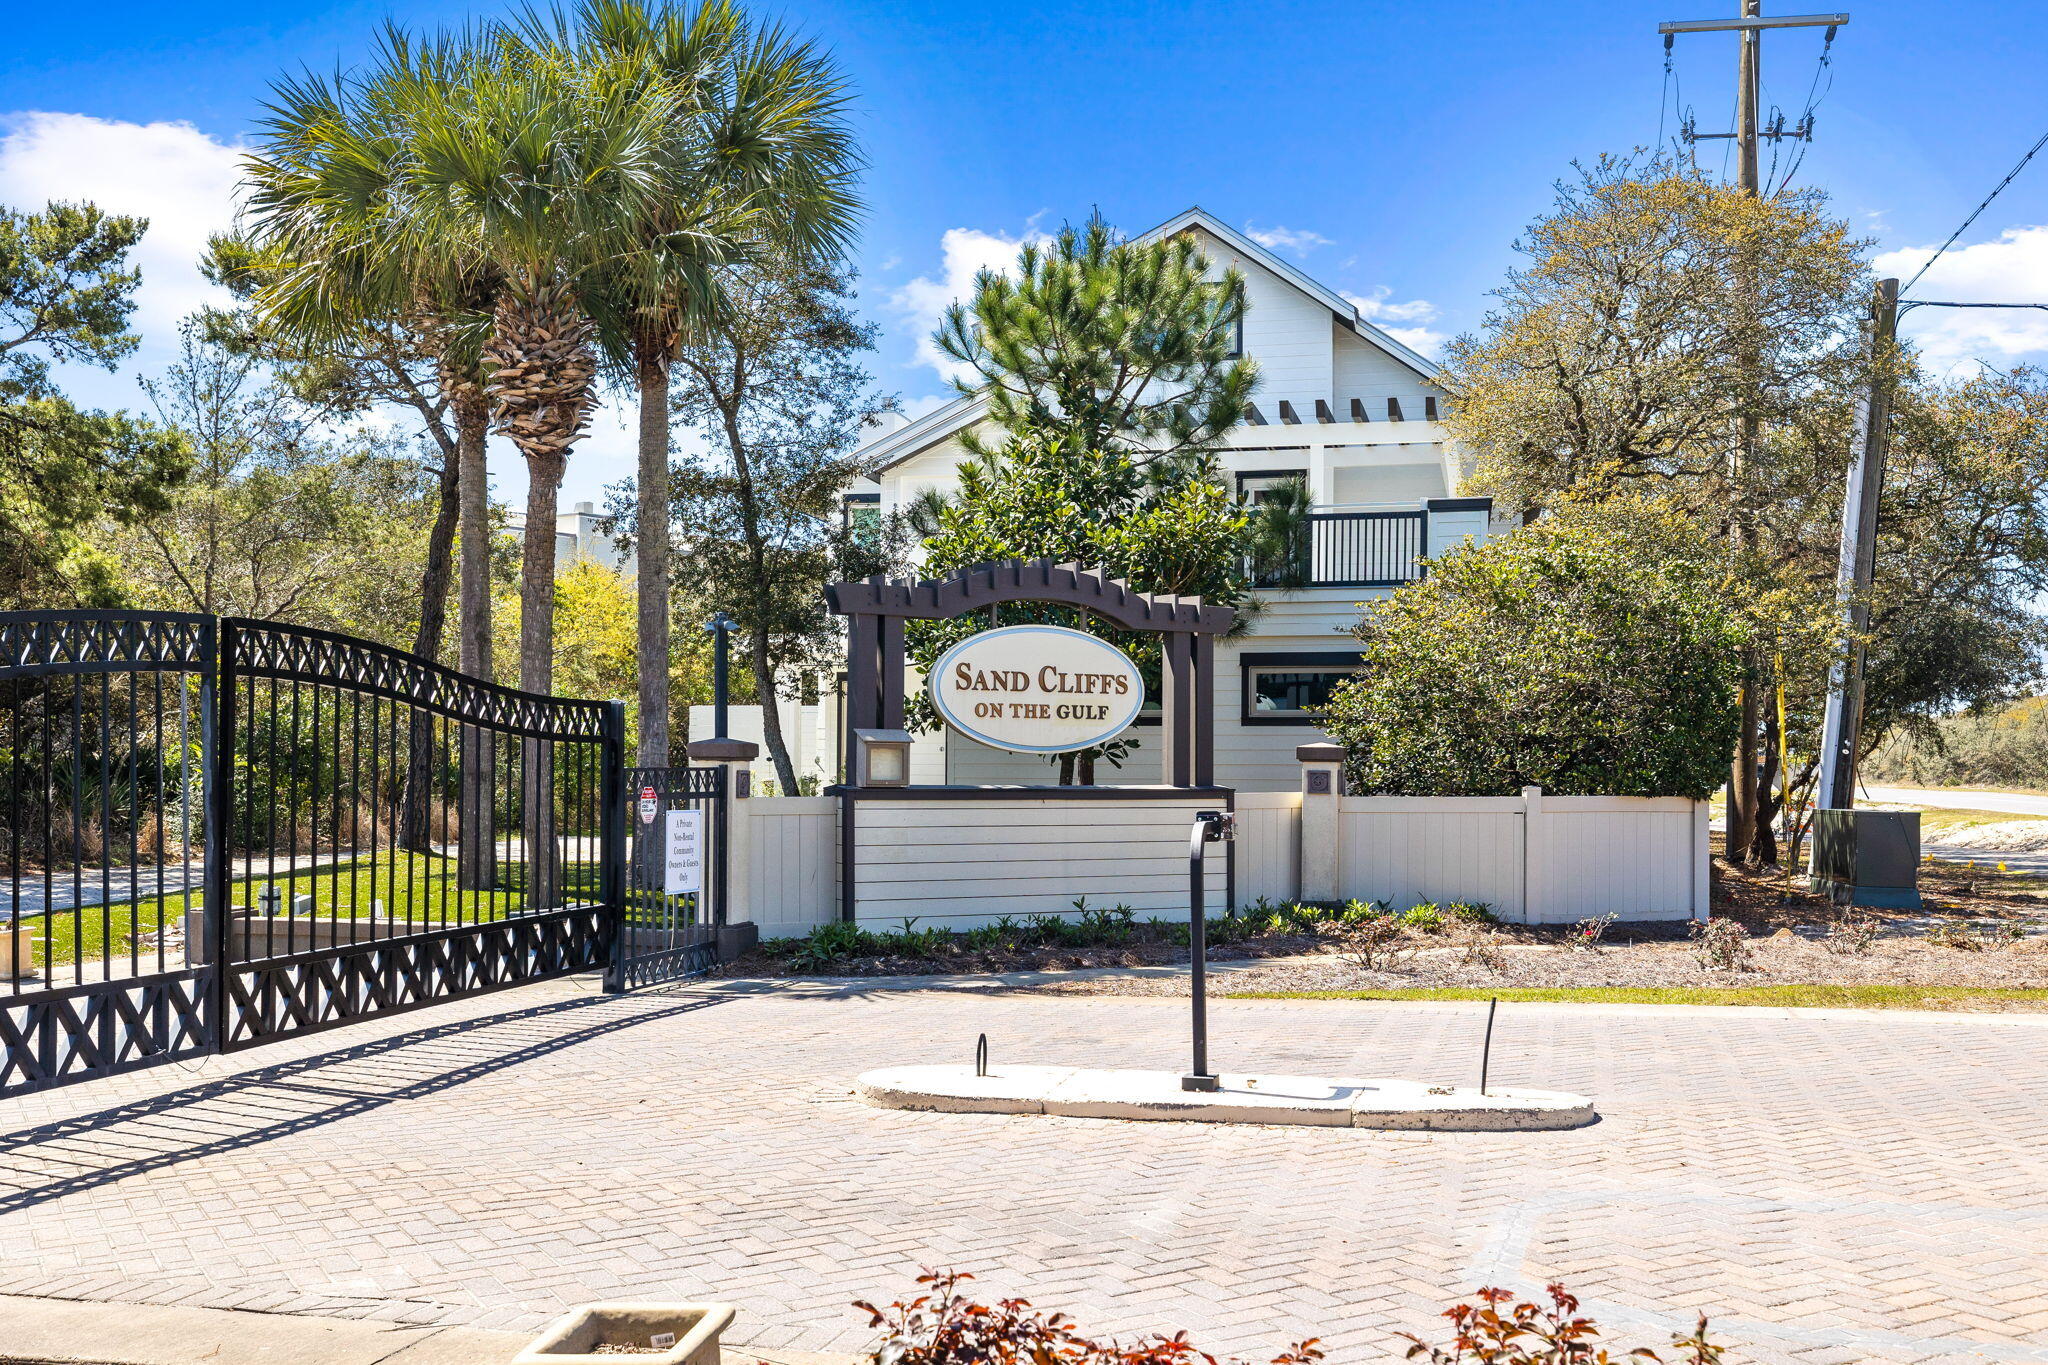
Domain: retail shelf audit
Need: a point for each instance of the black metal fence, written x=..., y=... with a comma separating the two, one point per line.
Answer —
x=220, y=832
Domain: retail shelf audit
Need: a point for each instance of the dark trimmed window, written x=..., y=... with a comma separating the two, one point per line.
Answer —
x=863, y=510
x=1293, y=688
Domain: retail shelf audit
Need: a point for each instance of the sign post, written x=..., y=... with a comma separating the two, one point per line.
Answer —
x=1210, y=827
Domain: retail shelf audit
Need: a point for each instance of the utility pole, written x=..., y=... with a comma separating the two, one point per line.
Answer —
x=1857, y=564
x=1742, y=783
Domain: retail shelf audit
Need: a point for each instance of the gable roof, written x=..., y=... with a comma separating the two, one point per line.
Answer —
x=920, y=435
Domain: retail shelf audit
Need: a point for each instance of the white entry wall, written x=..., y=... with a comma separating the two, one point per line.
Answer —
x=956, y=863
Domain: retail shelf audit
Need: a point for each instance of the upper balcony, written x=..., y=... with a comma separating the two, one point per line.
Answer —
x=1380, y=546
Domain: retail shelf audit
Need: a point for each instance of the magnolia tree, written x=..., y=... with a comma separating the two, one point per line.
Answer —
x=1565, y=656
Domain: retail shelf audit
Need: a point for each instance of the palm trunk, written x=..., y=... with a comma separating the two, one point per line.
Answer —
x=415, y=832
x=771, y=712
x=477, y=854
x=651, y=655
x=537, y=672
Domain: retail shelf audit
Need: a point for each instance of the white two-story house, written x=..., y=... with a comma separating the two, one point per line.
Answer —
x=1341, y=405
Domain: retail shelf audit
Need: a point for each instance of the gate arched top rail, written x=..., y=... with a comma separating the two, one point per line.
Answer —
x=271, y=649
x=1035, y=580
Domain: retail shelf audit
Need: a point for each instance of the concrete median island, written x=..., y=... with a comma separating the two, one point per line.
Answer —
x=1325, y=1102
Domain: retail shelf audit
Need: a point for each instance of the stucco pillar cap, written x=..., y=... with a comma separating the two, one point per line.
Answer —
x=723, y=750
x=1319, y=753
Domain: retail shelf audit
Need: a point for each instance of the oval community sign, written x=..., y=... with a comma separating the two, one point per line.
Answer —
x=1037, y=689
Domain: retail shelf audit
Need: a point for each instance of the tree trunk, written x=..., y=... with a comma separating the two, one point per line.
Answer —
x=771, y=711
x=1763, y=846
x=415, y=832
x=651, y=655
x=537, y=671
x=477, y=855
x=1741, y=821
x=1084, y=767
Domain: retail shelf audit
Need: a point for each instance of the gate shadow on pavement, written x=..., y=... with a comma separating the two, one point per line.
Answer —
x=68, y=1156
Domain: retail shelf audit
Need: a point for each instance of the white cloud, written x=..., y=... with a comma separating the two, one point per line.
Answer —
x=1300, y=241
x=2011, y=269
x=1380, y=309
x=176, y=176
x=964, y=253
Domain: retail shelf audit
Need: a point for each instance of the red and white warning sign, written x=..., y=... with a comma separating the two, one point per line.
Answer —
x=650, y=805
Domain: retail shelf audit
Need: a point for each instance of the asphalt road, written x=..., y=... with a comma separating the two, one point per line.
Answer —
x=2017, y=803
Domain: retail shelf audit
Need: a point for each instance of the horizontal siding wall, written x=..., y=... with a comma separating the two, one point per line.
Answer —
x=957, y=864
x=785, y=873
x=1268, y=846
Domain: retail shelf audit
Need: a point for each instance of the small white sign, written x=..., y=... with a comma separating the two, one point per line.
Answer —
x=685, y=853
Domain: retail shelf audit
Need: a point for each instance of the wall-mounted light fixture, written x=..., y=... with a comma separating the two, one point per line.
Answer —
x=881, y=758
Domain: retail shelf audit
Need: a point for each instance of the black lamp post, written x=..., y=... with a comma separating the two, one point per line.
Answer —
x=719, y=626
x=1210, y=827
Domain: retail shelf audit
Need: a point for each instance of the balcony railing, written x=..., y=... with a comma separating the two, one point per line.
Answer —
x=1365, y=549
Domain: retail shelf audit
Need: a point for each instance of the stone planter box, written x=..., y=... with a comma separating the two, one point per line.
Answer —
x=574, y=1338
x=252, y=935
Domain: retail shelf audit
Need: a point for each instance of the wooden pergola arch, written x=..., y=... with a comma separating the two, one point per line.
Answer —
x=877, y=607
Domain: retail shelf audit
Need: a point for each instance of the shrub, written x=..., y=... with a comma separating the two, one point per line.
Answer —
x=1721, y=945
x=1587, y=933
x=1428, y=918
x=1377, y=945
x=1553, y=1334
x=1557, y=657
x=942, y=1326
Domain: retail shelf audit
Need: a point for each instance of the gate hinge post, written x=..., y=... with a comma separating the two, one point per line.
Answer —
x=612, y=842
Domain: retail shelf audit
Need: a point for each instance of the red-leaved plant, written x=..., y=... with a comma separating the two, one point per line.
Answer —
x=1529, y=1334
x=942, y=1326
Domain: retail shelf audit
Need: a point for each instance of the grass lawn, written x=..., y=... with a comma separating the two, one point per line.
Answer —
x=1785, y=996
x=419, y=887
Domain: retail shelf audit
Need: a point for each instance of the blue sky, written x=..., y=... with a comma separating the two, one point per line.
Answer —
x=1391, y=150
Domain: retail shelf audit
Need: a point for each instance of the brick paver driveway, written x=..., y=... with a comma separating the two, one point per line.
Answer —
x=1830, y=1187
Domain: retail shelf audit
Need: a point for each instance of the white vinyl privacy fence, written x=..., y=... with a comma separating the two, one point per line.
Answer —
x=958, y=862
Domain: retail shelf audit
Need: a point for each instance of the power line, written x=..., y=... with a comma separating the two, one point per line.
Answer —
x=2043, y=142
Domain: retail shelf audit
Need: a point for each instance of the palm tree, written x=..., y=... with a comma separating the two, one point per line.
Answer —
x=755, y=158
x=326, y=225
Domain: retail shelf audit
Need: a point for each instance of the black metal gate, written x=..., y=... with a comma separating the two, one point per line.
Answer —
x=675, y=876
x=222, y=832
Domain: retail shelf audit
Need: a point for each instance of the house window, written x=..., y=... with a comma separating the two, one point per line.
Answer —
x=1236, y=351
x=1262, y=485
x=1293, y=689
x=862, y=511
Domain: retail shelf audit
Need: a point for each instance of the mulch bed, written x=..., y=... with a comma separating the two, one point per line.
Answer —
x=1793, y=939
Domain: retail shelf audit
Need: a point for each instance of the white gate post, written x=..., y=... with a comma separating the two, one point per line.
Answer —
x=1322, y=786
x=736, y=757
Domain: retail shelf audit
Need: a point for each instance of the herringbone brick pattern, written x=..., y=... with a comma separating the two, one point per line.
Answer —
x=1830, y=1188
